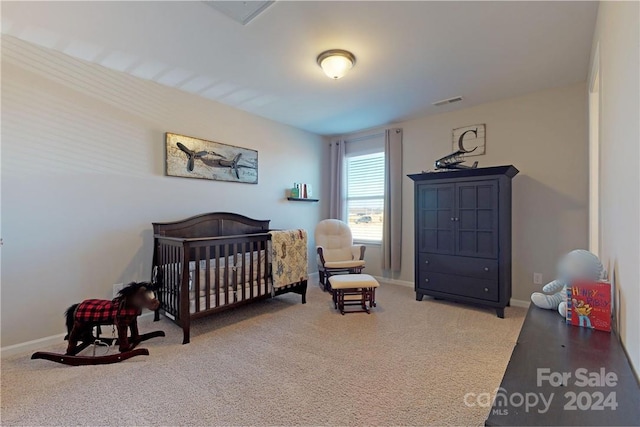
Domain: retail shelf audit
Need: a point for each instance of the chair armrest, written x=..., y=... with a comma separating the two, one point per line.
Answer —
x=320, y=254
x=357, y=251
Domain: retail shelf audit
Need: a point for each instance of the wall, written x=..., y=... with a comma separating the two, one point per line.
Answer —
x=83, y=178
x=544, y=135
x=618, y=36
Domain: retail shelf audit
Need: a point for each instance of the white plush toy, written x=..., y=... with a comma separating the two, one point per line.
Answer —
x=576, y=265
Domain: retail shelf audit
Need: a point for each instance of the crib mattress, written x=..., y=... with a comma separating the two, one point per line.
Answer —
x=229, y=271
x=233, y=296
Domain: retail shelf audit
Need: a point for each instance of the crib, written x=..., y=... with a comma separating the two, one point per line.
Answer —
x=214, y=262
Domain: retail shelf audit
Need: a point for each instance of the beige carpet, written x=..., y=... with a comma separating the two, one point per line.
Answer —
x=278, y=362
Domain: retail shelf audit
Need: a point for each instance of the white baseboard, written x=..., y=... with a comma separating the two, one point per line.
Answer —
x=514, y=302
x=394, y=281
x=520, y=303
x=40, y=343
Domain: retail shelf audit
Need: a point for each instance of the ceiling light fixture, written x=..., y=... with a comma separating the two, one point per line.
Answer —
x=336, y=62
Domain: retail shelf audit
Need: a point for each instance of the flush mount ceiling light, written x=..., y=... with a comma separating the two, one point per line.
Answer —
x=336, y=62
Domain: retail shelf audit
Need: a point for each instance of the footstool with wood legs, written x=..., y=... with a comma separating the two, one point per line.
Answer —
x=353, y=290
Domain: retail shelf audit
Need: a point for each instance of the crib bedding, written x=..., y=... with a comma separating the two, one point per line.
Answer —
x=233, y=296
x=231, y=260
x=228, y=270
x=288, y=255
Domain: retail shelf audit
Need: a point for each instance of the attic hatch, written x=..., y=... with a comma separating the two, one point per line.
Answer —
x=448, y=101
x=240, y=11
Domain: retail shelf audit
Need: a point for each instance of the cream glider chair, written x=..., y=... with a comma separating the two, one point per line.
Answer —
x=336, y=252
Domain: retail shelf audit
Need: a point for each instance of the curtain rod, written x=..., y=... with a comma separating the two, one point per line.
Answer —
x=364, y=137
x=361, y=138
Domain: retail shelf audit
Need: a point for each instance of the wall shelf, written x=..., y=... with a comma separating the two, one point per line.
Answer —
x=300, y=199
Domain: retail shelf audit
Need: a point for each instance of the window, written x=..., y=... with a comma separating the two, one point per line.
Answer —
x=365, y=196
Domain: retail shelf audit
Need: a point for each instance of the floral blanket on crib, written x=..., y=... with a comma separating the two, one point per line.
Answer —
x=288, y=257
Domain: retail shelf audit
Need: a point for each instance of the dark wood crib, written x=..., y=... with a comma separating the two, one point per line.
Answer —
x=210, y=263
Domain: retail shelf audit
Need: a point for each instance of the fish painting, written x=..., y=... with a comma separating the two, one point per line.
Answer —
x=191, y=157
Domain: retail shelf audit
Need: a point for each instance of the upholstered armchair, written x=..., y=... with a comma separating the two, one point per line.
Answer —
x=336, y=252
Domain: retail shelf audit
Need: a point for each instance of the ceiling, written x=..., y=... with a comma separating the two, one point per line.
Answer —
x=409, y=54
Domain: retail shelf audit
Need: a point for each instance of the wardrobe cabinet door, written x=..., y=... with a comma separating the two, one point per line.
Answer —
x=477, y=219
x=436, y=219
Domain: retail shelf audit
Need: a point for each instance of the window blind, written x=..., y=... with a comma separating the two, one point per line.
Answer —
x=365, y=195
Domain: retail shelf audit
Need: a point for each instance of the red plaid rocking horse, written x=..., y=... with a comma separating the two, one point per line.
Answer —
x=122, y=312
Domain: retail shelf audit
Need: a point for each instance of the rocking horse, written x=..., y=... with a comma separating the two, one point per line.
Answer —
x=122, y=312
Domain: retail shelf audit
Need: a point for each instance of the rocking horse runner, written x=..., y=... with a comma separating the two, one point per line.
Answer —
x=121, y=312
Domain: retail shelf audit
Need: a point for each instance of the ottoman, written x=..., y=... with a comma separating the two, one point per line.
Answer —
x=353, y=290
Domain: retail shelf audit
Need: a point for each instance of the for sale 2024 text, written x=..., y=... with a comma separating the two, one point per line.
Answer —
x=586, y=400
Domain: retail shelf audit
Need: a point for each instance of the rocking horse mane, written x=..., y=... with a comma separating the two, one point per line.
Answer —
x=133, y=287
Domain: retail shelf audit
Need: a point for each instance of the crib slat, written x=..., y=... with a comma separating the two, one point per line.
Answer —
x=259, y=282
x=163, y=272
x=265, y=266
x=207, y=278
x=178, y=280
x=217, y=278
x=184, y=255
x=173, y=268
x=216, y=266
x=235, y=272
x=265, y=277
x=243, y=270
x=225, y=251
x=167, y=277
x=175, y=283
x=170, y=278
x=176, y=277
x=251, y=269
x=162, y=276
x=196, y=281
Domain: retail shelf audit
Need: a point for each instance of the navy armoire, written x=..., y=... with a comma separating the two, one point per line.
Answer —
x=463, y=235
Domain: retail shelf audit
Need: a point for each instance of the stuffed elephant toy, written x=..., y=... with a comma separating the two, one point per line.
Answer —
x=576, y=265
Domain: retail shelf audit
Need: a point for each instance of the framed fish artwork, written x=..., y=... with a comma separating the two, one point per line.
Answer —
x=190, y=157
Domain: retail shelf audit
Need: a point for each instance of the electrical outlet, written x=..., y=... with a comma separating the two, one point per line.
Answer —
x=537, y=278
x=117, y=288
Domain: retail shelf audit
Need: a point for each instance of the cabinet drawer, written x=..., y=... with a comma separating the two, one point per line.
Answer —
x=460, y=266
x=458, y=285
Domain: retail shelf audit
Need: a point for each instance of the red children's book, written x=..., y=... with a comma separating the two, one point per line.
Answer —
x=589, y=305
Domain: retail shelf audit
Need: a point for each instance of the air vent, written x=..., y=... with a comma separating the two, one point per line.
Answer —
x=240, y=11
x=448, y=101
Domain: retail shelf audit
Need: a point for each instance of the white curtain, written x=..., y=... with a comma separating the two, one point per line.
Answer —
x=337, y=180
x=392, y=218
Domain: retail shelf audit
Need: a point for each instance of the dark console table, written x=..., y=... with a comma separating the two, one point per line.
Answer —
x=546, y=350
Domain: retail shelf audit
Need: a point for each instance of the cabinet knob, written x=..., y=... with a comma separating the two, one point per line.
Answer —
x=486, y=269
x=486, y=289
x=453, y=219
x=426, y=261
x=426, y=280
